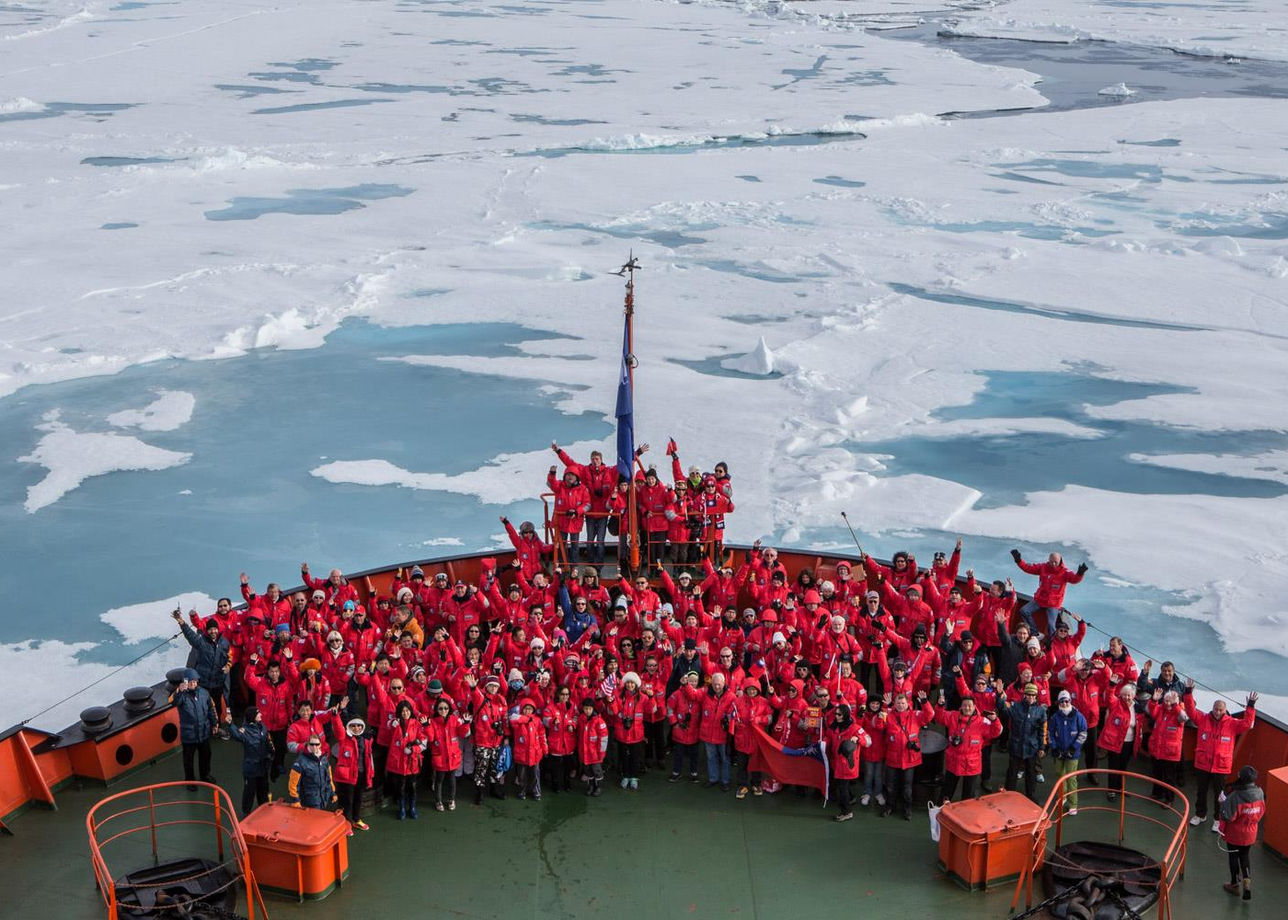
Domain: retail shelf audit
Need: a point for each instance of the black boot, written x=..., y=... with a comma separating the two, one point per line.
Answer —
x=478, y=794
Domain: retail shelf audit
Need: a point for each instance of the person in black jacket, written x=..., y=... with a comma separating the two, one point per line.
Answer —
x=257, y=755
x=210, y=659
x=197, y=720
x=1012, y=652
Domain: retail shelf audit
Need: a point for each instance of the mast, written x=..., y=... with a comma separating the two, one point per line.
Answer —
x=629, y=360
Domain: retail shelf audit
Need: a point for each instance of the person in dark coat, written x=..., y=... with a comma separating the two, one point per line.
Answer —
x=257, y=755
x=1028, y=722
x=210, y=659
x=309, y=783
x=197, y=720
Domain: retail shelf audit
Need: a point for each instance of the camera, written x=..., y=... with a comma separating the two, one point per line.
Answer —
x=914, y=744
x=955, y=740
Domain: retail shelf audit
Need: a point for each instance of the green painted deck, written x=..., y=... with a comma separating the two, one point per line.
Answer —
x=665, y=851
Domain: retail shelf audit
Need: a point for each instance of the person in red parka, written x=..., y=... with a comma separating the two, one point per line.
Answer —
x=652, y=499
x=713, y=730
x=444, y=733
x=712, y=505
x=845, y=740
x=969, y=736
x=572, y=502
x=528, y=547
x=489, y=724
x=354, y=768
x=407, y=743
x=274, y=694
x=529, y=748
x=684, y=712
x=1241, y=812
x=1214, y=752
x=750, y=711
x=560, y=719
x=1121, y=735
x=631, y=707
x=903, y=750
x=1053, y=577
x=1165, y=740
x=600, y=481
x=592, y=746
x=873, y=721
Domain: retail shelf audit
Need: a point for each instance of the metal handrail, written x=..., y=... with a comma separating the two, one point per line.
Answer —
x=1172, y=864
x=224, y=822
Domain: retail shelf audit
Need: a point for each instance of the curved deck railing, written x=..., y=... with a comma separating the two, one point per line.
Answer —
x=1049, y=831
x=149, y=810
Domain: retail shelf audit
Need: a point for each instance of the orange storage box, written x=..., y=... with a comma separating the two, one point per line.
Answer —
x=303, y=852
x=987, y=840
x=1275, y=823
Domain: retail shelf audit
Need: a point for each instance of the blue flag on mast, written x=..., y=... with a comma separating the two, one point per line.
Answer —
x=625, y=412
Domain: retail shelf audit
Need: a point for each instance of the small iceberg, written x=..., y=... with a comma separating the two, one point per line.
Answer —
x=1118, y=90
x=758, y=361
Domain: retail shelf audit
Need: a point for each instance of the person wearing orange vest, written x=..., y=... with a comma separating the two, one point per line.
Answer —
x=1214, y=752
x=1241, y=811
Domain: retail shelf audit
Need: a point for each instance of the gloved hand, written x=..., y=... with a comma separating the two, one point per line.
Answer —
x=1082, y=569
x=1015, y=554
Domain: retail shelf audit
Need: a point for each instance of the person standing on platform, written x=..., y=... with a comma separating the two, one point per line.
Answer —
x=1241, y=812
x=197, y=720
x=257, y=755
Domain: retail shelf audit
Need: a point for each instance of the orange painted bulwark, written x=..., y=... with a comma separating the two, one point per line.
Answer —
x=299, y=851
x=106, y=759
x=1275, y=823
x=26, y=777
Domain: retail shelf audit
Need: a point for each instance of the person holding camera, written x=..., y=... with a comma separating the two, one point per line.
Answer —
x=903, y=727
x=1067, y=730
x=1028, y=723
x=197, y=721
x=969, y=734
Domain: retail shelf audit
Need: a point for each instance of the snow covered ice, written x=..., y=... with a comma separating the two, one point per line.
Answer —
x=322, y=282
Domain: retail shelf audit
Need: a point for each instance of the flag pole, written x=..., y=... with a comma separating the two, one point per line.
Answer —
x=629, y=268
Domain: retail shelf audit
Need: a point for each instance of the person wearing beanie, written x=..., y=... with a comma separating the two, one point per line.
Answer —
x=257, y=757
x=529, y=734
x=489, y=724
x=1028, y=723
x=1241, y=812
x=684, y=712
x=355, y=768
x=592, y=746
x=1067, y=730
x=630, y=707
x=750, y=712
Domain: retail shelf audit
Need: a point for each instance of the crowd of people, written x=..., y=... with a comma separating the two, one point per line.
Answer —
x=538, y=676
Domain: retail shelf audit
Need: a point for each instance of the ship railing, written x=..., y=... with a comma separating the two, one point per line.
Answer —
x=147, y=817
x=682, y=553
x=1121, y=804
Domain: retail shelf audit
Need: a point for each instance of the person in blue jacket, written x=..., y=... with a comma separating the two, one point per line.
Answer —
x=1066, y=734
x=197, y=720
x=210, y=659
x=1028, y=721
x=257, y=756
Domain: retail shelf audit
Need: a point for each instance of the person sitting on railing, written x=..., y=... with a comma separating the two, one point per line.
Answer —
x=1067, y=730
x=1214, y=752
x=1241, y=813
x=1166, y=740
x=336, y=587
x=1065, y=647
x=943, y=568
x=528, y=548
x=1053, y=578
x=993, y=617
x=720, y=587
x=600, y=481
x=901, y=574
x=1121, y=735
x=572, y=502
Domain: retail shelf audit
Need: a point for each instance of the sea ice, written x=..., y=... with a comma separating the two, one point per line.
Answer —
x=758, y=361
x=171, y=409
x=1120, y=90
